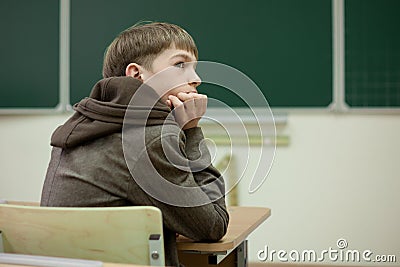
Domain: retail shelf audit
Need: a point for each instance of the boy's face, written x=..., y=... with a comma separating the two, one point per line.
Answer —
x=178, y=67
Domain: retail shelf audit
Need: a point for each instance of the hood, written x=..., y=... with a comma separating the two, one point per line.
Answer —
x=103, y=112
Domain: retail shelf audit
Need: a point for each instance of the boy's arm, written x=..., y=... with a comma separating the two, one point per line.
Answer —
x=204, y=222
x=199, y=155
x=204, y=173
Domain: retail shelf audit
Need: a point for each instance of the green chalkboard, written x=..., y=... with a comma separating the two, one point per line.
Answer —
x=284, y=46
x=372, y=53
x=29, y=53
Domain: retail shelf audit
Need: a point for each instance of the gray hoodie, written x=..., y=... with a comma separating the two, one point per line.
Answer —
x=110, y=153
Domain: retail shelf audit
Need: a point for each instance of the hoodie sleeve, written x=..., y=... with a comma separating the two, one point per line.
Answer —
x=200, y=159
x=181, y=162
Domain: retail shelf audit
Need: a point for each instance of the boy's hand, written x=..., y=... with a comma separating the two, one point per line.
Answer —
x=188, y=108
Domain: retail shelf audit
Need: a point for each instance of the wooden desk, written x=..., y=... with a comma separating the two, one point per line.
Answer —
x=231, y=250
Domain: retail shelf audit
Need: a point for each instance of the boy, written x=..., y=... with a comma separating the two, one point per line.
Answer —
x=91, y=164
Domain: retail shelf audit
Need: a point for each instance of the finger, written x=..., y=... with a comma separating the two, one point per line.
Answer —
x=185, y=96
x=191, y=96
x=199, y=96
x=169, y=103
x=175, y=101
x=195, y=104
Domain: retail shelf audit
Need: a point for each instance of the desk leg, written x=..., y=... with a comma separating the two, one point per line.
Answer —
x=1, y=243
x=236, y=258
x=241, y=252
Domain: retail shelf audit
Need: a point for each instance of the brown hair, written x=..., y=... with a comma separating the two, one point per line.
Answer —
x=142, y=43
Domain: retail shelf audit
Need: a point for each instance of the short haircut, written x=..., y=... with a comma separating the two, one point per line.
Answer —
x=142, y=43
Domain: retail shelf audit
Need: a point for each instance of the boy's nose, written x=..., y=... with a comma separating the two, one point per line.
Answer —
x=195, y=81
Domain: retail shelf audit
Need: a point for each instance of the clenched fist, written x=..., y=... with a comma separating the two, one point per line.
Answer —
x=188, y=108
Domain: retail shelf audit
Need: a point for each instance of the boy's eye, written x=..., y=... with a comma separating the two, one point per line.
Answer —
x=180, y=65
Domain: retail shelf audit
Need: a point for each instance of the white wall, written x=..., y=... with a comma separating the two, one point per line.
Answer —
x=338, y=178
x=24, y=154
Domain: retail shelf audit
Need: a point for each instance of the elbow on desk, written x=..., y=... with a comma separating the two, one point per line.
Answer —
x=213, y=231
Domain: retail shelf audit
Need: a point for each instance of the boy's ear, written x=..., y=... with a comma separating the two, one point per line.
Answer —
x=134, y=70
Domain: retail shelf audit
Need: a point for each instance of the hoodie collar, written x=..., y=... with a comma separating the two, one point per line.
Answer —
x=103, y=112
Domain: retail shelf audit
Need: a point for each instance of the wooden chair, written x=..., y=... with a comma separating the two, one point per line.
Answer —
x=131, y=235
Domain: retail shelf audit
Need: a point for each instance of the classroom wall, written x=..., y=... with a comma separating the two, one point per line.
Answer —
x=338, y=178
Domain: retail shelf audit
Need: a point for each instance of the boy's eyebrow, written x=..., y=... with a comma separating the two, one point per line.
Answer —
x=185, y=56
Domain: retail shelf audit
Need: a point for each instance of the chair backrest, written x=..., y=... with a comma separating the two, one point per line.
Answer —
x=113, y=234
